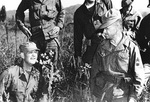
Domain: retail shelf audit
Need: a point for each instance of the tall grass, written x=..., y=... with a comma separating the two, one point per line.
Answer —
x=73, y=87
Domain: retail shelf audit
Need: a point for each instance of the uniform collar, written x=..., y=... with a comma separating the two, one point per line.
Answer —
x=107, y=45
x=34, y=72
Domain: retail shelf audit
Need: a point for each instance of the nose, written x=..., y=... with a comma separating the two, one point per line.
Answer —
x=34, y=54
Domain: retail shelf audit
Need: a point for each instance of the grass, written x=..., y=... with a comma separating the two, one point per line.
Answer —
x=71, y=88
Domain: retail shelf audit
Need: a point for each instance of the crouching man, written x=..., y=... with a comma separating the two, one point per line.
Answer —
x=19, y=83
x=117, y=73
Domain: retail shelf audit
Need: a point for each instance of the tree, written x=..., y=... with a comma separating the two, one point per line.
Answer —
x=3, y=14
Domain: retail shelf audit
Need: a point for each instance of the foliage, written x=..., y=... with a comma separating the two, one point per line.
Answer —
x=7, y=54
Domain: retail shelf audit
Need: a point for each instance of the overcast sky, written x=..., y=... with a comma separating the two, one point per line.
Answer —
x=13, y=4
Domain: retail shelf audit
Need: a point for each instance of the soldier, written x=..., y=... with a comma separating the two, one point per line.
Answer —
x=117, y=72
x=19, y=83
x=46, y=19
x=87, y=19
x=130, y=17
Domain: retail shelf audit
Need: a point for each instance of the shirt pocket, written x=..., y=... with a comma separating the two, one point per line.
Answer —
x=123, y=60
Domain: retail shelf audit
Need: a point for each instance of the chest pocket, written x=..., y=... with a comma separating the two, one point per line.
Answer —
x=45, y=10
x=116, y=61
x=123, y=60
x=51, y=8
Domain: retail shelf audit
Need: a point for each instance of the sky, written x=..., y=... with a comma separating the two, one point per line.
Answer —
x=13, y=4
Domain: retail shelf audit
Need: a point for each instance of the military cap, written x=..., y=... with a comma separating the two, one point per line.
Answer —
x=28, y=46
x=110, y=17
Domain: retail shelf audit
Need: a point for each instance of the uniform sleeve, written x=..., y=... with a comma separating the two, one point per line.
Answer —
x=20, y=16
x=61, y=14
x=5, y=80
x=78, y=34
x=136, y=70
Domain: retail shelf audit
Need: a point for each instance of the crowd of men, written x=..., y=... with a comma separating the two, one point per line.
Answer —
x=117, y=49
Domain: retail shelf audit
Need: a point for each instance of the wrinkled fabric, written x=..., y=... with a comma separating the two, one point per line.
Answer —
x=20, y=89
x=84, y=23
x=44, y=15
x=123, y=69
x=52, y=9
x=131, y=20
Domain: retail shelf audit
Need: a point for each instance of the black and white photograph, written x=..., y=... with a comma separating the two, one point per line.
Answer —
x=74, y=51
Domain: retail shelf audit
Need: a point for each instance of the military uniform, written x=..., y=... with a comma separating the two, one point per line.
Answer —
x=18, y=85
x=117, y=70
x=44, y=16
x=117, y=73
x=131, y=21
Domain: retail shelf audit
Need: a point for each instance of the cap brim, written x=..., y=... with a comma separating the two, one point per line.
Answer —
x=108, y=23
x=28, y=50
x=34, y=49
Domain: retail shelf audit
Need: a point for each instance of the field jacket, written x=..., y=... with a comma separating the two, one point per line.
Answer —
x=131, y=20
x=16, y=87
x=116, y=63
x=43, y=14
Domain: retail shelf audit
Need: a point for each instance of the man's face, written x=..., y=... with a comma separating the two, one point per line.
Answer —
x=125, y=3
x=30, y=57
x=109, y=32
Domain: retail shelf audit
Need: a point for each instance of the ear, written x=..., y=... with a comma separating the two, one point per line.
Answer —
x=22, y=55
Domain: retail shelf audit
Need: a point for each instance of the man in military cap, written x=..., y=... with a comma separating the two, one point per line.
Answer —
x=19, y=83
x=87, y=19
x=131, y=18
x=117, y=71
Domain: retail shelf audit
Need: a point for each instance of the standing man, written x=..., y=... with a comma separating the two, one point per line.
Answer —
x=19, y=83
x=130, y=17
x=117, y=73
x=87, y=19
x=46, y=18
